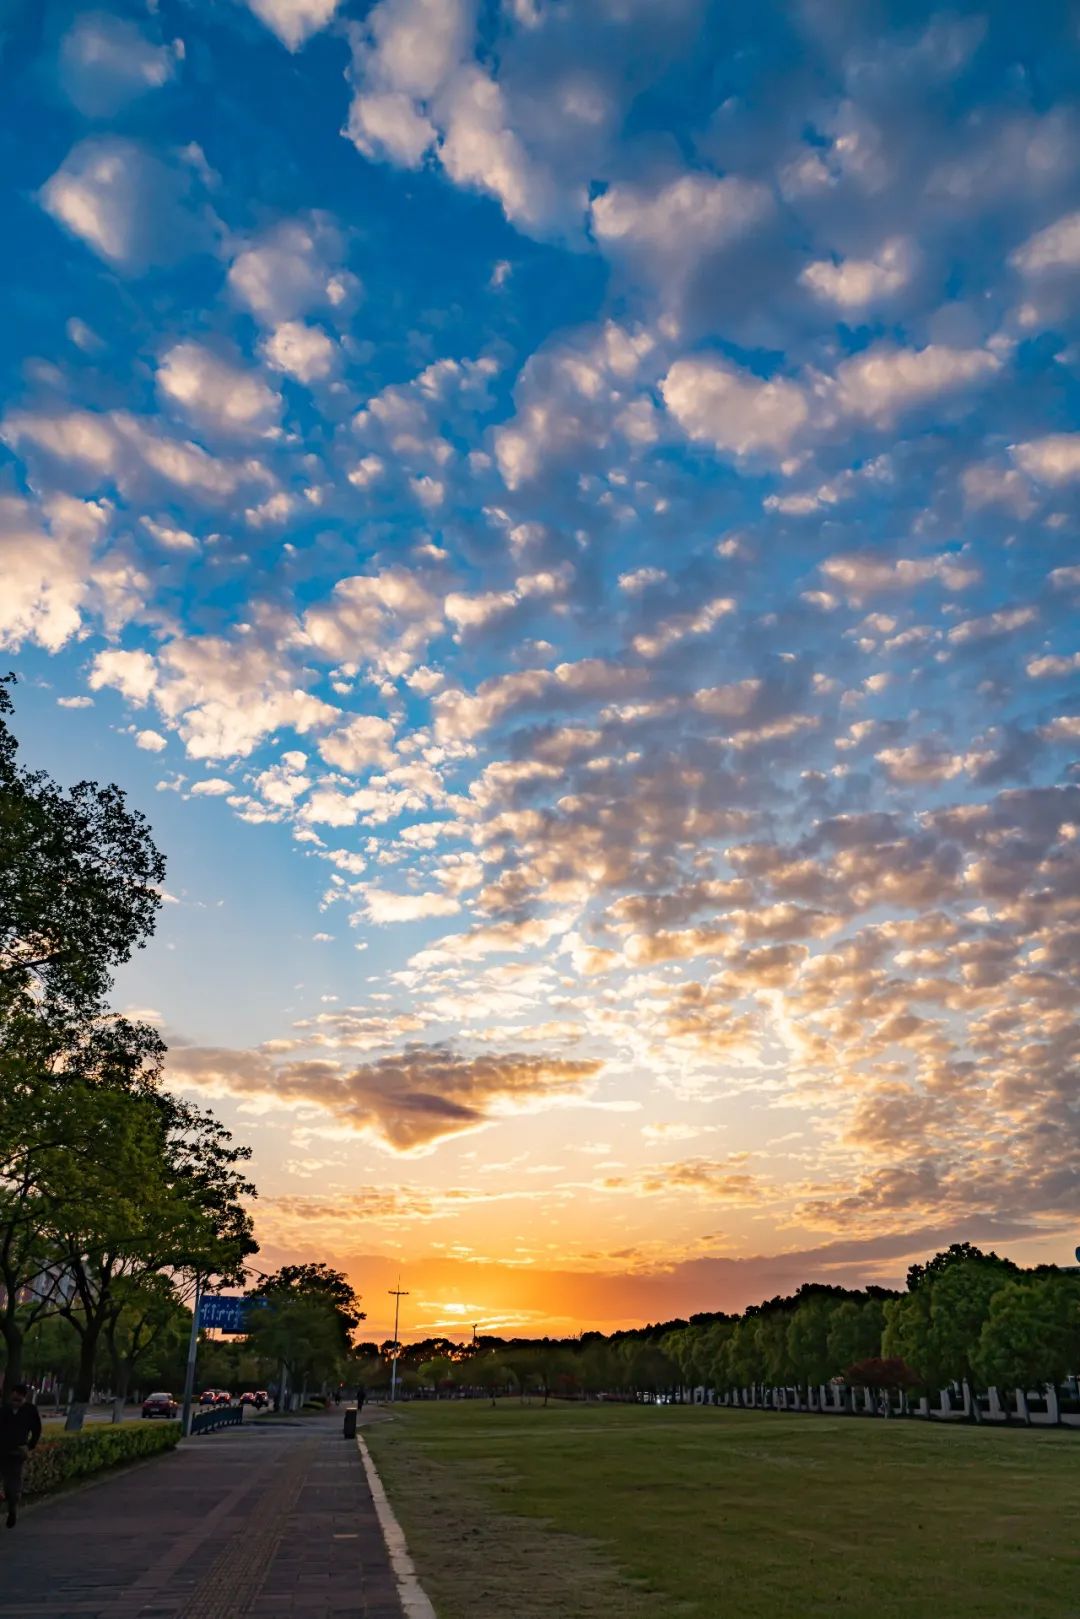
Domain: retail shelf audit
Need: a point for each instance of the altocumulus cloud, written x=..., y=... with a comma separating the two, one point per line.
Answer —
x=407, y=1102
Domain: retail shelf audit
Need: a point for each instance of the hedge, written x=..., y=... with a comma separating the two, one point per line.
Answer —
x=63, y=1458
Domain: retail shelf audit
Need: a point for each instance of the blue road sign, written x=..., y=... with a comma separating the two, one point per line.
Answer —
x=228, y=1313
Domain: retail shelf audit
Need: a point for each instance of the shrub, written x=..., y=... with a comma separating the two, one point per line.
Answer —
x=63, y=1458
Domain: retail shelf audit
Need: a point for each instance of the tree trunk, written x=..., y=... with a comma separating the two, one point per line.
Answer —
x=121, y=1380
x=84, y=1380
x=13, y=1342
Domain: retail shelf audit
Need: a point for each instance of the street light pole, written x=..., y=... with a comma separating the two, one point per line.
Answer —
x=397, y=1294
x=189, y=1375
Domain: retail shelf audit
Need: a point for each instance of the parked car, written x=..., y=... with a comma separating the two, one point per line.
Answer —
x=159, y=1405
x=262, y=1398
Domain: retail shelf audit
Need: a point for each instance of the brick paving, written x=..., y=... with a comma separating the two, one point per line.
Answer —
x=272, y=1520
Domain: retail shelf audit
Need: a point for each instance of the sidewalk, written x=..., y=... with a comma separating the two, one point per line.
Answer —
x=272, y=1520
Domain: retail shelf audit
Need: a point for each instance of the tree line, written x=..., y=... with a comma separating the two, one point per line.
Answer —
x=966, y=1317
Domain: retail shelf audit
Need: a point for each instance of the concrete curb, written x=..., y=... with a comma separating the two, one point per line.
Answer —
x=414, y=1599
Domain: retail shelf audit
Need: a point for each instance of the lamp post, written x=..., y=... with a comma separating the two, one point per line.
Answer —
x=261, y=1274
x=397, y=1294
x=189, y=1375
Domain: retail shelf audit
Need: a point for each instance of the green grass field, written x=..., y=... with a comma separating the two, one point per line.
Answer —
x=645, y=1512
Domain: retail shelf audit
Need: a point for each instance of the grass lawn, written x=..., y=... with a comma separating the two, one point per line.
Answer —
x=646, y=1512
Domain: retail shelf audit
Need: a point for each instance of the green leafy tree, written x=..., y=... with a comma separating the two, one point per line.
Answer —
x=960, y=1300
x=164, y=1192
x=772, y=1334
x=80, y=881
x=1031, y=1334
x=808, y=1341
x=306, y=1323
x=148, y=1326
x=854, y=1332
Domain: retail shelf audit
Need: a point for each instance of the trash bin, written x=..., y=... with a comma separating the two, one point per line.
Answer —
x=350, y=1423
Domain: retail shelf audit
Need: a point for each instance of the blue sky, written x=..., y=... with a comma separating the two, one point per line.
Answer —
x=564, y=516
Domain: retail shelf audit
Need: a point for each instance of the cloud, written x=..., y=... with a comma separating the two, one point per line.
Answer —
x=866, y=573
x=418, y=88
x=885, y=381
x=107, y=62
x=292, y=269
x=387, y=619
x=407, y=1102
x=854, y=284
x=573, y=398
x=381, y=906
x=127, y=205
x=150, y=741
x=1054, y=459
x=294, y=21
x=669, y=228
x=1057, y=247
x=302, y=351
x=366, y=740
x=715, y=403
x=92, y=449
x=46, y=564
x=711, y=1181
x=216, y=395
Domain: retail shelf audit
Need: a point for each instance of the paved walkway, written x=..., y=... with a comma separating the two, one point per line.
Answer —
x=268, y=1520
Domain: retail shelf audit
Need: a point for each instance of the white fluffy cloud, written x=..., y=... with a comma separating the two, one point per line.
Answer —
x=381, y=906
x=885, y=381
x=418, y=87
x=214, y=394
x=1054, y=459
x=714, y=403
x=669, y=228
x=367, y=740
x=854, y=284
x=1055, y=248
x=301, y=351
x=293, y=269
x=93, y=448
x=126, y=204
x=106, y=62
x=294, y=21
x=45, y=564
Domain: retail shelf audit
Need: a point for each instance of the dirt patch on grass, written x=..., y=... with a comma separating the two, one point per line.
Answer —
x=474, y=1558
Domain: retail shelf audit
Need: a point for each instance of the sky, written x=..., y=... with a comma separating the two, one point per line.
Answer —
x=563, y=514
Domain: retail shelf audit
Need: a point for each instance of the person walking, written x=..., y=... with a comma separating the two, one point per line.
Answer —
x=20, y=1430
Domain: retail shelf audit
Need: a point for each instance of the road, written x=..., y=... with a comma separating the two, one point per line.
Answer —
x=272, y=1520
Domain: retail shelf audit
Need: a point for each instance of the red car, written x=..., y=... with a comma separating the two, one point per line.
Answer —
x=159, y=1405
x=222, y=1397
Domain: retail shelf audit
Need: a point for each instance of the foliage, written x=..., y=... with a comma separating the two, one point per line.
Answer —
x=885, y=1373
x=79, y=884
x=1031, y=1334
x=111, y=1190
x=62, y=1459
x=307, y=1322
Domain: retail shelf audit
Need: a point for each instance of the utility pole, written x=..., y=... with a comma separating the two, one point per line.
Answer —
x=189, y=1375
x=397, y=1294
